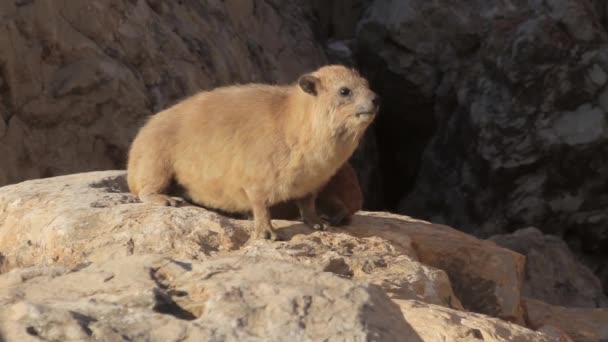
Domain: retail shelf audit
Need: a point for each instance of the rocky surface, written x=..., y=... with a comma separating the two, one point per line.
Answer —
x=434, y=323
x=552, y=273
x=81, y=259
x=227, y=299
x=78, y=78
x=581, y=324
x=515, y=93
x=71, y=219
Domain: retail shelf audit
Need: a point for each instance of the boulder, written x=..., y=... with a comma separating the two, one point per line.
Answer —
x=581, y=324
x=370, y=259
x=436, y=323
x=154, y=298
x=73, y=219
x=486, y=278
x=83, y=259
x=552, y=273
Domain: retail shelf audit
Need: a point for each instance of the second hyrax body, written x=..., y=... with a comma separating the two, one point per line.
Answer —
x=246, y=147
x=336, y=202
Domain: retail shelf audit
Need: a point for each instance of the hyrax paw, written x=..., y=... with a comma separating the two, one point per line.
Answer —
x=319, y=226
x=160, y=199
x=266, y=234
x=174, y=201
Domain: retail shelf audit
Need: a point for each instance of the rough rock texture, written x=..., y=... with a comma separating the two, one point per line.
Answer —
x=556, y=334
x=149, y=297
x=434, y=323
x=77, y=78
x=552, y=274
x=371, y=259
x=581, y=324
x=518, y=91
x=227, y=299
x=485, y=277
x=73, y=220
x=90, y=217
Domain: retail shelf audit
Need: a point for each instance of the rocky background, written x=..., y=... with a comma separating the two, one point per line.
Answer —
x=494, y=114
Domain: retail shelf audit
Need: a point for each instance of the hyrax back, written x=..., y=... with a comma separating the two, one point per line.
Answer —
x=247, y=147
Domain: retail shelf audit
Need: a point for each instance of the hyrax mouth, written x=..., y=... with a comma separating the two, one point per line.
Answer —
x=366, y=115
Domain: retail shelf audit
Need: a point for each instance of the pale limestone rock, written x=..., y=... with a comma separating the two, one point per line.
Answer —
x=486, y=278
x=154, y=298
x=85, y=263
x=435, y=323
x=90, y=217
x=370, y=259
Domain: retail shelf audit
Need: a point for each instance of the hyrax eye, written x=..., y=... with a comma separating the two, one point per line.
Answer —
x=344, y=91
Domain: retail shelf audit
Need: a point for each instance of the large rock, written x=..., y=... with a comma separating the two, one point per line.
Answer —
x=552, y=273
x=435, y=323
x=371, y=259
x=78, y=218
x=78, y=78
x=581, y=324
x=228, y=299
x=518, y=92
x=486, y=278
x=154, y=298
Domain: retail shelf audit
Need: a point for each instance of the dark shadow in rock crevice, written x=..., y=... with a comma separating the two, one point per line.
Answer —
x=164, y=302
x=165, y=305
x=117, y=184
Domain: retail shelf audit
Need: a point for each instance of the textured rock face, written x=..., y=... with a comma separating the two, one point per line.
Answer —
x=78, y=78
x=371, y=259
x=552, y=273
x=227, y=299
x=90, y=217
x=486, y=278
x=581, y=324
x=470, y=327
x=73, y=252
x=518, y=91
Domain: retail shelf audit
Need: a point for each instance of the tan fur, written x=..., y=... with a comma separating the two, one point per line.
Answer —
x=337, y=201
x=247, y=147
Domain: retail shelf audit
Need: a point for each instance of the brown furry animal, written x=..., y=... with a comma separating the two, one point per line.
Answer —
x=247, y=147
x=337, y=201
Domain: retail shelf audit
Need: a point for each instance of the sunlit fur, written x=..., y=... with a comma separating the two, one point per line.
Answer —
x=278, y=141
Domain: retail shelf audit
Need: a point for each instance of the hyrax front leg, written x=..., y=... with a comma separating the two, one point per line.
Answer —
x=262, y=226
x=309, y=213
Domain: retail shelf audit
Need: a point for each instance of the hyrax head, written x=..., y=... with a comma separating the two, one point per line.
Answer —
x=343, y=101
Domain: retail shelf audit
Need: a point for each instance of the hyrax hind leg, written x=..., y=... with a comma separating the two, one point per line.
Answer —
x=150, y=181
x=309, y=212
x=262, y=226
x=160, y=199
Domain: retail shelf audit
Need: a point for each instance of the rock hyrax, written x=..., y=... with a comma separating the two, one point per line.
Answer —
x=246, y=147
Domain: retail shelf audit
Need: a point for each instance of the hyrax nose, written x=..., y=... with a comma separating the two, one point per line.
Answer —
x=376, y=100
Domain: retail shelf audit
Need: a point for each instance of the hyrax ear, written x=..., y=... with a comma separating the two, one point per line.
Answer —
x=309, y=84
